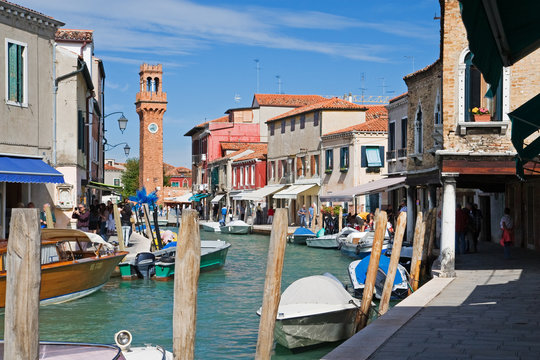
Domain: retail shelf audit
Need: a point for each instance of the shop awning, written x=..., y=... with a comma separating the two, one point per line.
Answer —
x=369, y=188
x=105, y=187
x=262, y=193
x=198, y=197
x=293, y=191
x=179, y=199
x=243, y=195
x=216, y=198
x=22, y=169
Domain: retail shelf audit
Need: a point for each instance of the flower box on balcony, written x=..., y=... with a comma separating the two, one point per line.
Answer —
x=328, y=171
x=482, y=117
x=344, y=169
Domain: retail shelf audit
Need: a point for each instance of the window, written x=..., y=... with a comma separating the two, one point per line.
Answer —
x=252, y=174
x=372, y=156
x=437, y=120
x=271, y=126
x=185, y=183
x=175, y=184
x=234, y=177
x=316, y=118
x=300, y=166
x=344, y=158
x=246, y=169
x=116, y=182
x=418, y=131
x=241, y=170
x=302, y=121
x=284, y=167
x=283, y=124
x=475, y=90
x=404, y=133
x=315, y=165
x=80, y=131
x=293, y=123
x=329, y=160
x=392, y=136
x=280, y=169
x=271, y=170
x=16, y=73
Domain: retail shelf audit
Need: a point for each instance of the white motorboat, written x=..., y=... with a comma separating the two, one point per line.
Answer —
x=211, y=226
x=357, y=245
x=330, y=241
x=358, y=271
x=123, y=340
x=314, y=310
x=236, y=227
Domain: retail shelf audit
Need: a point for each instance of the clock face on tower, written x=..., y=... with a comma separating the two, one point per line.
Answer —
x=153, y=128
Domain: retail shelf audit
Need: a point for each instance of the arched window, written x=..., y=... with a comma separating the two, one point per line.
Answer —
x=418, y=131
x=475, y=90
x=148, y=84
x=185, y=183
x=156, y=84
x=437, y=115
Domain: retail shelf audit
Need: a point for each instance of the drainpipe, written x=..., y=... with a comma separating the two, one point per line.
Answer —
x=55, y=92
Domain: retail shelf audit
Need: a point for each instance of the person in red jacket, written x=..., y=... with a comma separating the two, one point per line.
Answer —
x=462, y=220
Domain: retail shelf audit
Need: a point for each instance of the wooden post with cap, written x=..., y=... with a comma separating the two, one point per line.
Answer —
x=118, y=224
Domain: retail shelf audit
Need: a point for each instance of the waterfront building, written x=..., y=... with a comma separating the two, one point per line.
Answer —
x=79, y=154
x=354, y=161
x=472, y=158
x=295, y=153
x=27, y=129
x=113, y=176
x=151, y=104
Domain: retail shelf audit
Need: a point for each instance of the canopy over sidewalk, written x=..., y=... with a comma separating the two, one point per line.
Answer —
x=371, y=187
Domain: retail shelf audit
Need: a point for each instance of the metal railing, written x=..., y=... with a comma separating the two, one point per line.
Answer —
x=401, y=153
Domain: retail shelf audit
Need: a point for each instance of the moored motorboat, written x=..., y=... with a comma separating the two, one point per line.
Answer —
x=74, y=264
x=357, y=245
x=236, y=227
x=211, y=226
x=330, y=241
x=300, y=236
x=314, y=310
x=357, y=274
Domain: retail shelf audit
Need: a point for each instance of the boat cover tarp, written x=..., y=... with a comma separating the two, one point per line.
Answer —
x=317, y=289
x=303, y=231
x=384, y=263
x=237, y=223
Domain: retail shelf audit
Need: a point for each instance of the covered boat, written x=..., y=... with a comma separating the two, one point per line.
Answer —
x=357, y=245
x=300, y=236
x=211, y=226
x=236, y=227
x=330, y=241
x=74, y=264
x=314, y=310
x=357, y=274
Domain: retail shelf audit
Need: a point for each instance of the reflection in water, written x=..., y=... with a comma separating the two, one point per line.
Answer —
x=228, y=299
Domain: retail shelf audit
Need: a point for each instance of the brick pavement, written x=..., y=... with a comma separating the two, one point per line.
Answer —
x=491, y=310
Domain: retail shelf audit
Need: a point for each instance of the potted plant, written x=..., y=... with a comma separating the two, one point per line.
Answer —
x=481, y=114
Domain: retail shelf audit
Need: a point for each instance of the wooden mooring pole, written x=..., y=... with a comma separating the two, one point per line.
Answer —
x=118, y=224
x=148, y=225
x=186, y=279
x=48, y=216
x=340, y=219
x=21, y=324
x=272, y=285
x=394, y=261
x=371, y=276
x=418, y=244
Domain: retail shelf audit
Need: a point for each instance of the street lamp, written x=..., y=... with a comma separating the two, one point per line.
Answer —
x=126, y=150
x=122, y=120
x=110, y=147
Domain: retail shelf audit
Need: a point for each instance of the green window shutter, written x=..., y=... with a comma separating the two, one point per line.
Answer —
x=373, y=156
x=363, y=158
x=12, y=69
x=19, y=74
x=80, y=130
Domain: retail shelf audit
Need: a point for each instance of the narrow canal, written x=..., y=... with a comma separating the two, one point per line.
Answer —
x=228, y=299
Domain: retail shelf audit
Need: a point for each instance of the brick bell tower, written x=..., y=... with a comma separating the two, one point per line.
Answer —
x=151, y=104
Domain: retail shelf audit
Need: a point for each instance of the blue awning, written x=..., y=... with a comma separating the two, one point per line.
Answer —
x=373, y=156
x=19, y=169
x=198, y=197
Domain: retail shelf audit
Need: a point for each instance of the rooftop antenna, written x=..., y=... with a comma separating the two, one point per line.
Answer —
x=384, y=86
x=435, y=17
x=237, y=98
x=363, y=88
x=410, y=57
x=278, y=83
x=258, y=67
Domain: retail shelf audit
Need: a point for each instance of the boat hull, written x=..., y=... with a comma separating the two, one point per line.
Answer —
x=232, y=229
x=358, y=251
x=315, y=329
x=210, y=260
x=69, y=280
x=211, y=228
x=329, y=243
x=299, y=239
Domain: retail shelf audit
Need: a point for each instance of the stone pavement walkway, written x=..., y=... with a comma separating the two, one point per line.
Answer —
x=491, y=310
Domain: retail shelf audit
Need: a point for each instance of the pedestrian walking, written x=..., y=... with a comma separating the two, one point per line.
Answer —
x=125, y=220
x=270, y=215
x=311, y=212
x=507, y=228
x=302, y=214
x=258, y=214
x=461, y=229
x=224, y=214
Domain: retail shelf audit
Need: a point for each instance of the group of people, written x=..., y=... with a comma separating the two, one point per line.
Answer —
x=468, y=227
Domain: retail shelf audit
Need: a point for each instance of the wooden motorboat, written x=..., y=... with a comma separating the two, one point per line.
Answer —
x=314, y=310
x=236, y=227
x=357, y=274
x=160, y=264
x=301, y=235
x=330, y=241
x=357, y=245
x=74, y=264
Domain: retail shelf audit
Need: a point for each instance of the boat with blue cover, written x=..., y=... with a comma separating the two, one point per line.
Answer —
x=300, y=236
x=357, y=274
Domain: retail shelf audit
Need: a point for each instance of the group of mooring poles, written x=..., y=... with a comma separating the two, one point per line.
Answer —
x=21, y=332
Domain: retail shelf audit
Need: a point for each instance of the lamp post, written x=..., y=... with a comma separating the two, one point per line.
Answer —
x=110, y=147
x=122, y=120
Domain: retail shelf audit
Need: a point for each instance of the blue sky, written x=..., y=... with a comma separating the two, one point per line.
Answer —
x=208, y=48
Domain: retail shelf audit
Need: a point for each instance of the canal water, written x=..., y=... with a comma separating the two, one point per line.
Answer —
x=228, y=299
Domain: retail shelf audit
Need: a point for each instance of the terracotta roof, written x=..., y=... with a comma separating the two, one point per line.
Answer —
x=233, y=145
x=259, y=152
x=421, y=70
x=286, y=100
x=376, y=112
x=74, y=35
x=378, y=125
x=220, y=119
x=112, y=168
x=328, y=104
x=171, y=170
x=398, y=97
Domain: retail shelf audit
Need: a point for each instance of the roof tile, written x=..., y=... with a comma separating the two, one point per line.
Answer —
x=327, y=104
x=286, y=100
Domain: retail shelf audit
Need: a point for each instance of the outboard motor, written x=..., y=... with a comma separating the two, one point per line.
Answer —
x=145, y=264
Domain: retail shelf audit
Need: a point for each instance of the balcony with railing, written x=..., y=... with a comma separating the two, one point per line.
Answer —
x=391, y=155
x=401, y=153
